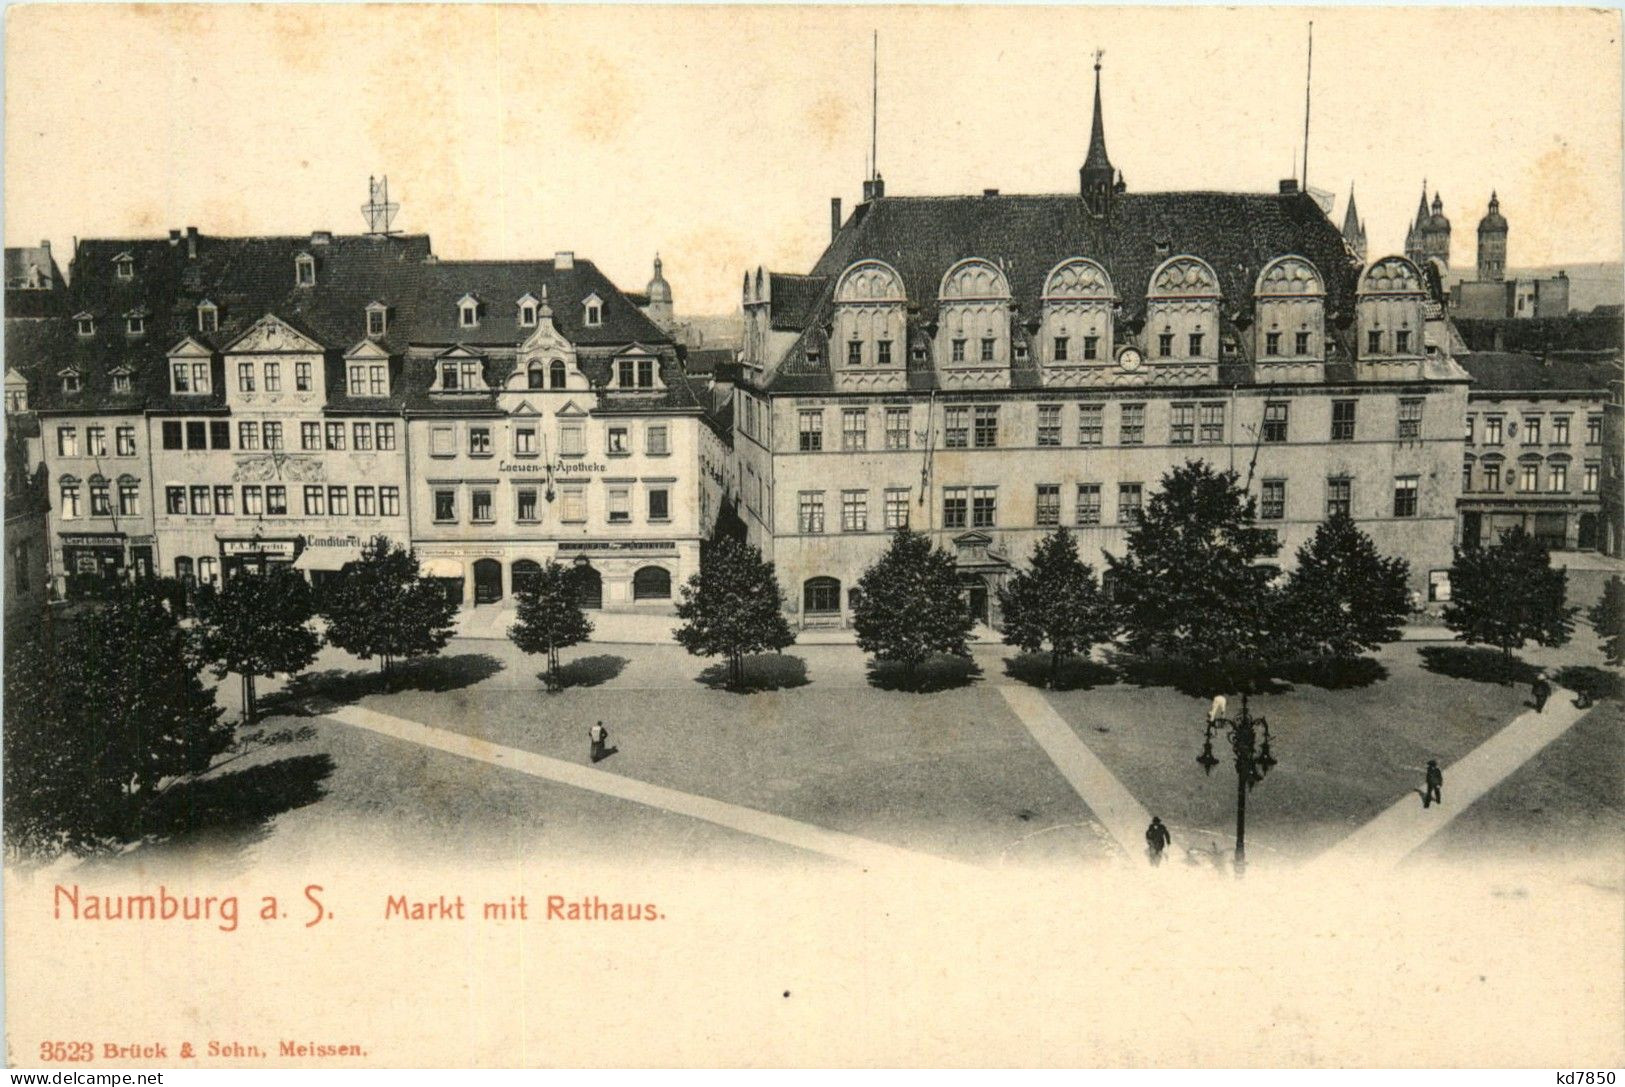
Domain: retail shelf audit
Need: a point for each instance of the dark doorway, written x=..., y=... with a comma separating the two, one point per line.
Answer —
x=1472, y=531
x=821, y=596
x=1552, y=530
x=141, y=561
x=975, y=590
x=590, y=584
x=1588, y=532
x=487, y=581
x=651, y=583
x=525, y=573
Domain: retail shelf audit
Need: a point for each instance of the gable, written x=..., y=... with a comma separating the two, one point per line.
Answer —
x=271, y=334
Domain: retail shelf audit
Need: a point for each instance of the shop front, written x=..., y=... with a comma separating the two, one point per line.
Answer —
x=323, y=557
x=257, y=554
x=641, y=575
x=91, y=560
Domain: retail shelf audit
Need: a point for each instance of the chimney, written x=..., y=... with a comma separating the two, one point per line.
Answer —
x=191, y=243
x=45, y=244
x=174, y=237
x=990, y=192
x=564, y=260
x=1289, y=185
x=834, y=216
x=874, y=188
x=321, y=237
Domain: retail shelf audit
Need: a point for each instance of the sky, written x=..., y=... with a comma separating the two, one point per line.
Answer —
x=717, y=135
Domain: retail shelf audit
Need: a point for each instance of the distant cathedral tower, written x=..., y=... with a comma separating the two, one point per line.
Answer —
x=1492, y=244
x=1353, y=229
x=659, y=307
x=1429, y=237
x=1097, y=181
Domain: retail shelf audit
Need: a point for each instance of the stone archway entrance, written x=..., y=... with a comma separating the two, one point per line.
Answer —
x=981, y=571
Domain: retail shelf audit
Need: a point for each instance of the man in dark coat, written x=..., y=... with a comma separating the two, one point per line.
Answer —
x=1541, y=691
x=1156, y=840
x=1435, y=780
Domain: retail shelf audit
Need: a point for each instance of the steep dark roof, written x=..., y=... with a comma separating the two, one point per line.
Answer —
x=703, y=361
x=498, y=285
x=1505, y=371
x=793, y=300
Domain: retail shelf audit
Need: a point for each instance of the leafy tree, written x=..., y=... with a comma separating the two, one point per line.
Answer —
x=550, y=617
x=1507, y=594
x=1344, y=596
x=382, y=607
x=259, y=625
x=98, y=712
x=1607, y=617
x=910, y=606
x=1057, y=602
x=1191, y=589
x=732, y=607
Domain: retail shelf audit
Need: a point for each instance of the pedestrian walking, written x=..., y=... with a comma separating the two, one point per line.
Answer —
x=1540, y=690
x=1435, y=782
x=598, y=734
x=1156, y=840
x=1216, y=710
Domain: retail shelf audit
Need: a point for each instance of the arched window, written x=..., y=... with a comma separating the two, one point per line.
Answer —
x=1291, y=300
x=534, y=376
x=651, y=583
x=525, y=572
x=1389, y=310
x=870, y=318
x=1076, y=314
x=1182, y=304
x=973, y=315
x=183, y=568
x=555, y=371
x=205, y=570
x=821, y=596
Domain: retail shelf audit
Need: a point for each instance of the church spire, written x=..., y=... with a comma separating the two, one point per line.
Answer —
x=1353, y=229
x=1097, y=179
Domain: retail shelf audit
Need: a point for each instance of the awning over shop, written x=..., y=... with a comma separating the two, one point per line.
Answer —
x=442, y=568
x=326, y=558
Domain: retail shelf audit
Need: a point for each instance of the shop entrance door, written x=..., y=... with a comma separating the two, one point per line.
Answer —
x=487, y=581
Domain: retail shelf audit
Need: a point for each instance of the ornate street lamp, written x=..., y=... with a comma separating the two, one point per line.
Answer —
x=1249, y=738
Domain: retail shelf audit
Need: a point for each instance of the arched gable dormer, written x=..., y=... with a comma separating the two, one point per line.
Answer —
x=1182, y=311
x=1289, y=300
x=871, y=318
x=1390, y=310
x=1076, y=314
x=973, y=316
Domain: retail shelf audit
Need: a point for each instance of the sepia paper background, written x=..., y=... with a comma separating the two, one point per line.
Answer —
x=717, y=136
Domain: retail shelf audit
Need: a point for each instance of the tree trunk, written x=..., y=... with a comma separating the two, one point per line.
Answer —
x=1054, y=667
x=253, y=701
x=242, y=687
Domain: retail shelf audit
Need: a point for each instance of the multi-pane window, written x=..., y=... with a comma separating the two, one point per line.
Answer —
x=1088, y=504
x=1091, y=424
x=854, y=353
x=1195, y=344
x=197, y=434
x=571, y=441
x=1275, y=415
x=1557, y=478
x=1272, y=502
x=1373, y=341
x=811, y=511
x=389, y=501
x=129, y=498
x=1410, y=418
x=310, y=436
x=358, y=380
x=253, y=500
x=1060, y=348
x=225, y=499
x=273, y=377
x=1212, y=423
x=248, y=435
x=366, y=502
x=812, y=431
x=659, y=504
x=1531, y=430
x=338, y=501
x=956, y=427
x=1343, y=420
x=1467, y=475
x=854, y=511
x=573, y=504
x=124, y=441
x=854, y=429
x=445, y=506
x=987, y=426
x=883, y=353
x=984, y=507
x=385, y=433
x=955, y=506
x=1402, y=341
x=1301, y=343
x=897, y=428
x=70, y=500
x=96, y=441
x=174, y=499
x=656, y=440
x=1529, y=478
x=1165, y=344
x=1131, y=424
x=1182, y=424
x=1091, y=347
x=361, y=434
x=1049, y=424
x=273, y=435
x=315, y=500
x=620, y=505
x=896, y=507
x=1339, y=496
x=1560, y=430
x=67, y=441
x=1129, y=496
x=1492, y=430
x=1405, y=489
x=618, y=441
x=335, y=436
x=1468, y=434
x=245, y=377
x=987, y=349
x=957, y=350
x=1492, y=477
x=1593, y=430
x=479, y=441
x=276, y=500
x=101, y=498
x=525, y=504
x=480, y=506
x=524, y=441
x=301, y=376
x=1591, y=478
x=1048, y=509
x=199, y=495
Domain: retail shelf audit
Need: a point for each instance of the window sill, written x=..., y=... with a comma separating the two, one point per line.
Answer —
x=479, y=456
x=660, y=520
x=662, y=453
x=487, y=521
x=526, y=455
x=617, y=453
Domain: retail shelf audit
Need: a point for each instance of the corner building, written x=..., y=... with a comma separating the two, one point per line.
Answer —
x=988, y=368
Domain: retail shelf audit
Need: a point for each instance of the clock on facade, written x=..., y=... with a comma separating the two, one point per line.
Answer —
x=1129, y=358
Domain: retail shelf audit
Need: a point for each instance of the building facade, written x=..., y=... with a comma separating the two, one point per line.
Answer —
x=989, y=368
x=1492, y=295
x=1536, y=450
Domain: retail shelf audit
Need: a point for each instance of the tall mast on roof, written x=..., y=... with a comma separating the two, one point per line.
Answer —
x=378, y=211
